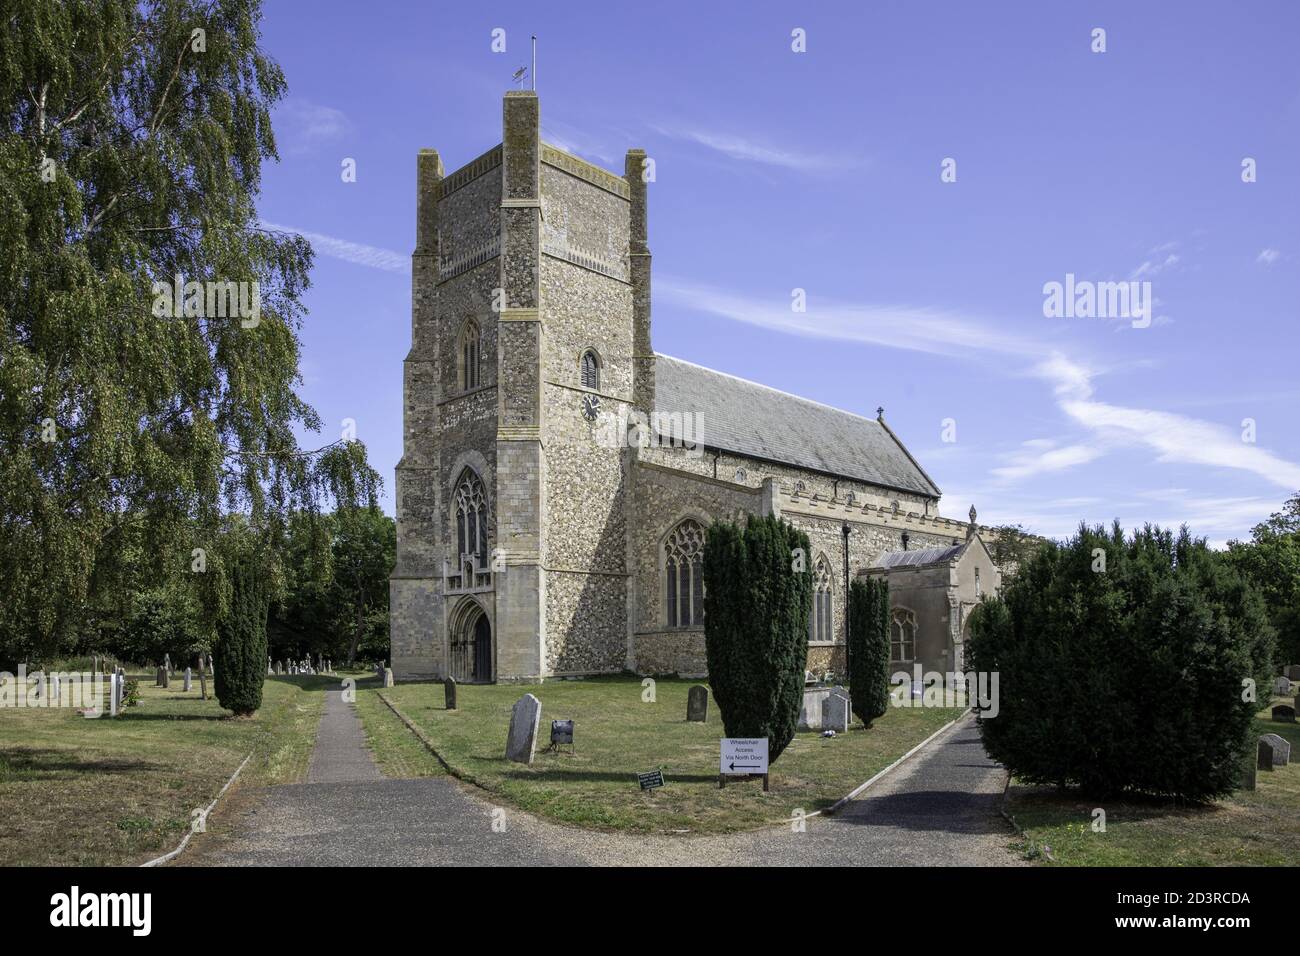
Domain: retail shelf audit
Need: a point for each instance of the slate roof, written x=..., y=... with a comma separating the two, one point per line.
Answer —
x=736, y=415
x=918, y=559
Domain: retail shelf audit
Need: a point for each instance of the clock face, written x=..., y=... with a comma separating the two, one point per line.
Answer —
x=590, y=407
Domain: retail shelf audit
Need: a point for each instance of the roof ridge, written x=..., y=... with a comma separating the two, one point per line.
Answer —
x=779, y=391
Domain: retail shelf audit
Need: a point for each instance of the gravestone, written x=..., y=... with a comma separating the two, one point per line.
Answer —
x=203, y=684
x=388, y=677
x=521, y=742
x=115, y=695
x=1282, y=686
x=1292, y=671
x=1285, y=713
x=212, y=668
x=1274, y=751
x=697, y=704
x=158, y=678
x=836, y=712
x=189, y=680
x=449, y=693
x=167, y=663
x=270, y=669
x=379, y=670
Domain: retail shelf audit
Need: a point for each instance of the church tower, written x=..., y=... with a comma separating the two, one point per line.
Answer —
x=530, y=335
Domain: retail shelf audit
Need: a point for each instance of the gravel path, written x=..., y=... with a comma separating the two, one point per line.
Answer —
x=938, y=808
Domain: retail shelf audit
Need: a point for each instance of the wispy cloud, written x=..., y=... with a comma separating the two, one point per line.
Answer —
x=1178, y=438
x=303, y=127
x=1034, y=459
x=1175, y=439
x=356, y=253
x=933, y=331
x=747, y=150
x=1160, y=261
x=1268, y=256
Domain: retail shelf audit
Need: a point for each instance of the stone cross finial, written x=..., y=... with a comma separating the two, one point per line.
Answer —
x=972, y=514
x=970, y=532
x=880, y=413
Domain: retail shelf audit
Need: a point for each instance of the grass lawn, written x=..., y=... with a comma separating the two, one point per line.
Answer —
x=77, y=792
x=1259, y=827
x=397, y=751
x=617, y=736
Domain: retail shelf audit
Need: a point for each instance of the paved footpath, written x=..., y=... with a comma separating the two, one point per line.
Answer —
x=938, y=808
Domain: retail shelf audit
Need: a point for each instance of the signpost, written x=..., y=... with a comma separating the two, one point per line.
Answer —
x=744, y=757
x=648, y=781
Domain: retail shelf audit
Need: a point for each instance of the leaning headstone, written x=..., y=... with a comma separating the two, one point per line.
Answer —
x=449, y=693
x=836, y=713
x=697, y=704
x=521, y=742
x=388, y=677
x=1274, y=751
x=1285, y=713
x=189, y=680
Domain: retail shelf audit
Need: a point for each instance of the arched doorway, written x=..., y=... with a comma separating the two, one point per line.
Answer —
x=470, y=645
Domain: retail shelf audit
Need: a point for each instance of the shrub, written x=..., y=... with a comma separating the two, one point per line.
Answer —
x=869, y=648
x=1128, y=678
x=240, y=657
x=756, y=607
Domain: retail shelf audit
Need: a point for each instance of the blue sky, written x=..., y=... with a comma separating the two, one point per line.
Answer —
x=820, y=171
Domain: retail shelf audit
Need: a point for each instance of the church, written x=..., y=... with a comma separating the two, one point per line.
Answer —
x=558, y=475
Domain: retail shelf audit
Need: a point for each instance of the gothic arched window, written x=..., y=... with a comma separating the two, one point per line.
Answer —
x=590, y=370
x=467, y=356
x=471, y=518
x=684, y=575
x=902, y=635
x=821, y=616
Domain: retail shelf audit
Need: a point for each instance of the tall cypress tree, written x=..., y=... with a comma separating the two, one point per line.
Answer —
x=757, y=597
x=869, y=648
x=240, y=656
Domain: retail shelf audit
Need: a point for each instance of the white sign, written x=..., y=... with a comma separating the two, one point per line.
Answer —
x=744, y=755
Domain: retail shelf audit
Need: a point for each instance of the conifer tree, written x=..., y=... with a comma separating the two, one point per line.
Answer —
x=869, y=648
x=757, y=597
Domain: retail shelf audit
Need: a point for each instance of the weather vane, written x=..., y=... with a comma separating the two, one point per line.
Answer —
x=523, y=72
